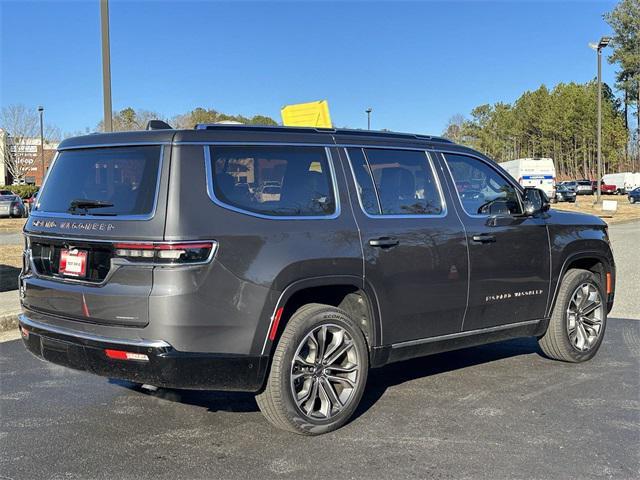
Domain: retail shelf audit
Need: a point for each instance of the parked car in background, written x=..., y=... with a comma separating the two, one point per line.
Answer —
x=584, y=187
x=605, y=189
x=565, y=194
x=6, y=192
x=572, y=184
x=12, y=206
x=634, y=195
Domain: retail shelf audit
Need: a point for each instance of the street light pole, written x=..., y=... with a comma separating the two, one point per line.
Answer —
x=599, y=123
x=106, y=65
x=369, y=110
x=41, y=111
x=604, y=41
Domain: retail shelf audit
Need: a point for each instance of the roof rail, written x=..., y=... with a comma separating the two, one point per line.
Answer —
x=346, y=131
x=265, y=128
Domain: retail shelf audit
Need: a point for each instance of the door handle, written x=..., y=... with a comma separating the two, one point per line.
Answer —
x=384, y=242
x=484, y=238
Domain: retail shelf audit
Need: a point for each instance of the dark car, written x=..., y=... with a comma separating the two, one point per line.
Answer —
x=11, y=205
x=634, y=195
x=375, y=248
x=565, y=194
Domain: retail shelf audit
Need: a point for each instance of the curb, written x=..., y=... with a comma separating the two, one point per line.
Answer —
x=9, y=320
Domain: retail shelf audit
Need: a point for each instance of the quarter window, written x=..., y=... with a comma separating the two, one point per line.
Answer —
x=403, y=182
x=276, y=181
x=482, y=190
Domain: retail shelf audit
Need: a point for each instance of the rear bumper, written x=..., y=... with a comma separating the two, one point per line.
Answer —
x=165, y=367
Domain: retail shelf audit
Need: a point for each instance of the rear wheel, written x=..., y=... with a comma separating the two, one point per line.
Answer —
x=577, y=325
x=318, y=372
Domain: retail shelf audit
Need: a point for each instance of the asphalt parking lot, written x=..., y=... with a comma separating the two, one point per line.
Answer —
x=496, y=411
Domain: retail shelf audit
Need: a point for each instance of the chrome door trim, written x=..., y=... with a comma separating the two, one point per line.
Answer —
x=451, y=336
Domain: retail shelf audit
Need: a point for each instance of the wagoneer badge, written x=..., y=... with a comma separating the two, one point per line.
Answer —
x=94, y=226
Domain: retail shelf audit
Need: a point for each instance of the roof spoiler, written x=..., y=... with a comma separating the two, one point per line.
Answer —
x=158, y=125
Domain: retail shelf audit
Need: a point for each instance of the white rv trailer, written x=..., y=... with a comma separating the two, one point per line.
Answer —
x=534, y=172
x=624, y=182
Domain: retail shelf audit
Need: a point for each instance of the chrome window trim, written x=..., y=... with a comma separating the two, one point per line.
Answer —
x=443, y=201
x=69, y=216
x=210, y=190
x=518, y=188
x=29, y=322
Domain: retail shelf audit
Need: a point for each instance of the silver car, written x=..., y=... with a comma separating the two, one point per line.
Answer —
x=11, y=206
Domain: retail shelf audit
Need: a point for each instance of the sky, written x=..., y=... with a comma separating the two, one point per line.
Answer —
x=416, y=64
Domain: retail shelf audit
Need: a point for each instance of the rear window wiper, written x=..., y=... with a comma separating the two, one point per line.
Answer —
x=85, y=204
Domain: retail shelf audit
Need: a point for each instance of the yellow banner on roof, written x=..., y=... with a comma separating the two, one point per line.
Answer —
x=311, y=114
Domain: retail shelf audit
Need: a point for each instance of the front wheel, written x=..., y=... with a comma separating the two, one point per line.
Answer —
x=632, y=200
x=318, y=373
x=579, y=318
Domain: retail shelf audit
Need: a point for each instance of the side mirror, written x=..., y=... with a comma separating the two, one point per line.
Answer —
x=535, y=201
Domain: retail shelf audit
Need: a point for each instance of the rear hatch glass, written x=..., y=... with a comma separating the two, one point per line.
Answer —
x=103, y=182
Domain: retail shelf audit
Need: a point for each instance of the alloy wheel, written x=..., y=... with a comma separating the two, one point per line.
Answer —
x=325, y=372
x=585, y=316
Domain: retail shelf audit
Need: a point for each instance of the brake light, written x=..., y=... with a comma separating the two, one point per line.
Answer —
x=166, y=253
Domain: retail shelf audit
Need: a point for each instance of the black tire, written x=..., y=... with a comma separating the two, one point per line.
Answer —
x=277, y=401
x=556, y=343
x=632, y=200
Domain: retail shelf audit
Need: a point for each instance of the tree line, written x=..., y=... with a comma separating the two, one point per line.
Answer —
x=130, y=119
x=558, y=123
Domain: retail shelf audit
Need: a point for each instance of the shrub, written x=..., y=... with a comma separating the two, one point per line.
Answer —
x=25, y=191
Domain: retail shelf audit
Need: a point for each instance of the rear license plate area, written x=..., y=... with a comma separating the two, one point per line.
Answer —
x=73, y=263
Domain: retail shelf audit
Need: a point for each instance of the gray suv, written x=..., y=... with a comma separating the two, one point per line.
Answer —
x=289, y=261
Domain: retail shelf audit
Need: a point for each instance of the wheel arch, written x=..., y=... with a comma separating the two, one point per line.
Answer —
x=349, y=292
x=595, y=261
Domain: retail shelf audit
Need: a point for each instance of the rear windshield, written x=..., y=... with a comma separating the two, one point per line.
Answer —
x=103, y=181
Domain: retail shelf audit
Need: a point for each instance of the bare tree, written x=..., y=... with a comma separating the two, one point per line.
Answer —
x=20, y=124
x=455, y=128
x=20, y=127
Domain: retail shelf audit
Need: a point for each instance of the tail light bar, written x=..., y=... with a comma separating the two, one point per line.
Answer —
x=179, y=253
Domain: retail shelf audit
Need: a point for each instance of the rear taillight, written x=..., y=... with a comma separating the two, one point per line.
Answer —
x=183, y=253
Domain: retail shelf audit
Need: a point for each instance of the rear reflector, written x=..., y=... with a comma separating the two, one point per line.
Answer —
x=122, y=355
x=274, y=325
x=609, y=290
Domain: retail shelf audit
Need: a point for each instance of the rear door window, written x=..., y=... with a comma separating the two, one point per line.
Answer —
x=103, y=181
x=404, y=182
x=273, y=180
